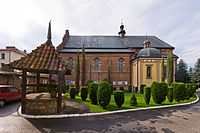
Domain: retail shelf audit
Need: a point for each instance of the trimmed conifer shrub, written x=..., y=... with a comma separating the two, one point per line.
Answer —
x=84, y=92
x=136, y=89
x=133, y=100
x=121, y=88
x=114, y=88
x=103, y=94
x=93, y=92
x=111, y=89
x=170, y=95
x=179, y=91
x=158, y=92
x=164, y=87
x=72, y=92
x=142, y=88
x=129, y=88
x=119, y=98
x=190, y=90
x=147, y=94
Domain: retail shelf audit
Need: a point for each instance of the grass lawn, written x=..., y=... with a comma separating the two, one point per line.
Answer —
x=112, y=106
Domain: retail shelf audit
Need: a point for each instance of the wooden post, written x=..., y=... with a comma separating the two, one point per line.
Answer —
x=61, y=83
x=24, y=91
x=38, y=81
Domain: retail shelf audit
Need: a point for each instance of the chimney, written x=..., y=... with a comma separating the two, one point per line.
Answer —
x=65, y=37
x=122, y=31
x=10, y=47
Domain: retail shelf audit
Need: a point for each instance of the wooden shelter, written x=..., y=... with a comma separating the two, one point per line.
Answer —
x=44, y=59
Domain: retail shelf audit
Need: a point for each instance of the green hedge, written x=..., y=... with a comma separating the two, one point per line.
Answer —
x=119, y=98
x=170, y=95
x=158, y=91
x=147, y=94
x=136, y=89
x=133, y=100
x=142, y=88
x=93, y=92
x=111, y=89
x=103, y=94
x=121, y=88
x=129, y=88
x=72, y=92
x=190, y=90
x=84, y=92
x=179, y=91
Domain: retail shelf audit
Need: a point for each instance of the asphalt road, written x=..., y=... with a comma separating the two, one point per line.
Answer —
x=184, y=119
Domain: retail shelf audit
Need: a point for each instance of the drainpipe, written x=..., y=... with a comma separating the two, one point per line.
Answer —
x=137, y=72
x=131, y=69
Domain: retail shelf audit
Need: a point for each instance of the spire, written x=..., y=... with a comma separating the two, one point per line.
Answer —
x=49, y=34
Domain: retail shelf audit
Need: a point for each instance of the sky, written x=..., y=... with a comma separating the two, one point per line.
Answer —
x=24, y=23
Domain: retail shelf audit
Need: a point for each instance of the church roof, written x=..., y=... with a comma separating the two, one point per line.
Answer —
x=111, y=42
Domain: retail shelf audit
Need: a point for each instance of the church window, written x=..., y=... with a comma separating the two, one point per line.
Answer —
x=148, y=72
x=96, y=64
x=71, y=63
x=121, y=67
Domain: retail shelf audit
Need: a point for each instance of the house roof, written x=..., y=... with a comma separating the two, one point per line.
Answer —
x=12, y=48
x=44, y=59
x=149, y=53
x=94, y=43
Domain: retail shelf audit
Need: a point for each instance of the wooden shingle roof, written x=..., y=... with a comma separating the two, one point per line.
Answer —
x=44, y=59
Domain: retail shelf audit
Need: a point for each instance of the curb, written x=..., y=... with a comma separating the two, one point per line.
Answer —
x=104, y=113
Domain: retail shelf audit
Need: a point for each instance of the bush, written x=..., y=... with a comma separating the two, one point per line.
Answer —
x=67, y=87
x=190, y=90
x=84, y=92
x=147, y=94
x=142, y=88
x=158, y=91
x=119, y=98
x=111, y=89
x=170, y=96
x=129, y=88
x=121, y=88
x=103, y=94
x=136, y=89
x=114, y=88
x=93, y=92
x=88, y=82
x=165, y=87
x=133, y=100
x=72, y=92
x=179, y=91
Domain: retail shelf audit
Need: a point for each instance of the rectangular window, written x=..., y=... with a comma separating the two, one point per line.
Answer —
x=125, y=83
x=5, y=90
x=114, y=83
x=119, y=82
x=44, y=81
x=3, y=56
x=148, y=71
x=13, y=89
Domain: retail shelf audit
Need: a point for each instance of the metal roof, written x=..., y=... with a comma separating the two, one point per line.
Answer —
x=97, y=50
x=149, y=53
x=114, y=42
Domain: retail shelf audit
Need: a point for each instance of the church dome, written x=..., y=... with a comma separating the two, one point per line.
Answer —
x=149, y=53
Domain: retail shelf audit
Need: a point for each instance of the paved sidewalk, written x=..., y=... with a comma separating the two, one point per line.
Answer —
x=72, y=107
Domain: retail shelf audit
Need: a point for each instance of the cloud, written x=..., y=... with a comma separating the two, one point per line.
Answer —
x=24, y=23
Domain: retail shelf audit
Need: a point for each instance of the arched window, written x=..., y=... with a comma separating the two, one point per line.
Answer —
x=121, y=66
x=71, y=63
x=96, y=64
x=148, y=72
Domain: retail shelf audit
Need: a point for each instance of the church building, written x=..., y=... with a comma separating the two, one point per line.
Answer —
x=131, y=60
